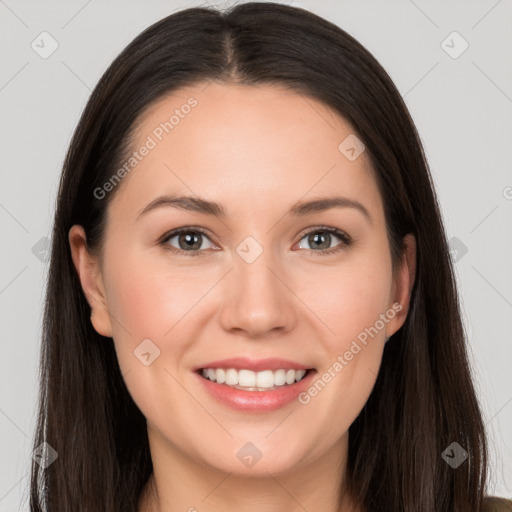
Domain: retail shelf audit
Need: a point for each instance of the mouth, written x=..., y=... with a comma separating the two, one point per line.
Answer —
x=248, y=380
x=254, y=386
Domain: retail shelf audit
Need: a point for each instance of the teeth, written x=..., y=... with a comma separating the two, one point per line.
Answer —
x=253, y=381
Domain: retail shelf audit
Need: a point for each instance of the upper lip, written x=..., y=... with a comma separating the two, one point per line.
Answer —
x=256, y=365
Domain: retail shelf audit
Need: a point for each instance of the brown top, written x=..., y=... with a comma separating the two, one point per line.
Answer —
x=494, y=504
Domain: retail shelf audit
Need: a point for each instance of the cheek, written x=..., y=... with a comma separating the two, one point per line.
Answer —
x=350, y=297
x=351, y=301
x=149, y=301
x=149, y=296
x=352, y=306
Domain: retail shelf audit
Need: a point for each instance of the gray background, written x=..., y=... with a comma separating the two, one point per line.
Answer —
x=461, y=106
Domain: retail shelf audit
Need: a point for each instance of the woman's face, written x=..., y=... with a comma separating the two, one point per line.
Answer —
x=255, y=286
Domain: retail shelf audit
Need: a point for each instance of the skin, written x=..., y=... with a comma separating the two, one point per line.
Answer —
x=257, y=151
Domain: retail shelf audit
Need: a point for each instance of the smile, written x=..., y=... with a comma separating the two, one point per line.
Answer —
x=252, y=386
x=249, y=380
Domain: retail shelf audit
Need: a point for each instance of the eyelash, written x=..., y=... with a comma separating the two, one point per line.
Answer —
x=345, y=240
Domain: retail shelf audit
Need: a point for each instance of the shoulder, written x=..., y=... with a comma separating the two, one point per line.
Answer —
x=494, y=504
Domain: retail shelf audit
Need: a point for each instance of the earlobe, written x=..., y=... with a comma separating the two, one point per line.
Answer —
x=89, y=274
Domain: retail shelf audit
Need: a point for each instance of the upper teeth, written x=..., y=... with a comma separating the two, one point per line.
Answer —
x=248, y=379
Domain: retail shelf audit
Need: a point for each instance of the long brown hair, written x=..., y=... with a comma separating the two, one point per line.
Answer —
x=424, y=397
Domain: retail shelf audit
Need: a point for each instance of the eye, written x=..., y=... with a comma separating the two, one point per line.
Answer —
x=321, y=238
x=189, y=240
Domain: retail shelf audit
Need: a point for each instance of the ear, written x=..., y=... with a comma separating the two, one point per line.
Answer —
x=89, y=273
x=403, y=284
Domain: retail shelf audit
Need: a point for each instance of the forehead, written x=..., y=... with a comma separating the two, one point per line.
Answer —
x=244, y=146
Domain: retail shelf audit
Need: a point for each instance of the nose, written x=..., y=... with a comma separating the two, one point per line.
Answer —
x=257, y=298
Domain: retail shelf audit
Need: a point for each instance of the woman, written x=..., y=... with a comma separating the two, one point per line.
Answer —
x=266, y=373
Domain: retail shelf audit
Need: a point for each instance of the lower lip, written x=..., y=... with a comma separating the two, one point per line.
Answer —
x=256, y=401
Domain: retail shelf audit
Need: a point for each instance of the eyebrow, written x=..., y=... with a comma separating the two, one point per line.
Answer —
x=299, y=209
